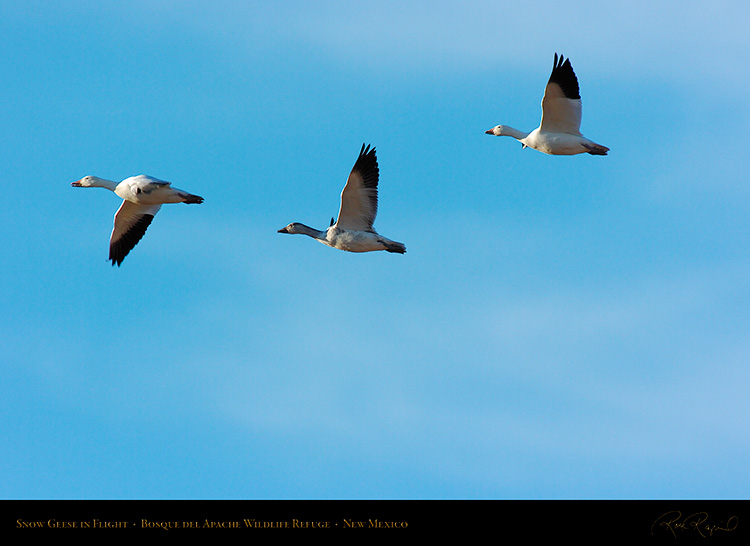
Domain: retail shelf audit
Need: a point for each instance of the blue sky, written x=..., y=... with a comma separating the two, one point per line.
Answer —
x=560, y=327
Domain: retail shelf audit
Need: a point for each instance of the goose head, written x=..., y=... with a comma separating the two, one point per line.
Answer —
x=292, y=228
x=296, y=227
x=497, y=130
x=87, y=182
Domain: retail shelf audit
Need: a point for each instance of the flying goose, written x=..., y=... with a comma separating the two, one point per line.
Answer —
x=353, y=230
x=142, y=197
x=559, y=132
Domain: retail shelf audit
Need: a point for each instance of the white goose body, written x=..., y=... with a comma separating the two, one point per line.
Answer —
x=346, y=239
x=353, y=231
x=559, y=132
x=142, y=197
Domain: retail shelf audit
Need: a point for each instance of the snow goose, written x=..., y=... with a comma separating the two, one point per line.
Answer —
x=559, y=132
x=142, y=197
x=353, y=230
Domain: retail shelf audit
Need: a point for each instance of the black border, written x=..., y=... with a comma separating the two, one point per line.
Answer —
x=674, y=521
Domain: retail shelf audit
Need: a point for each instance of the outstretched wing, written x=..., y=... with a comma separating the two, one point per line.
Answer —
x=561, y=105
x=359, y=198
x=131, y=223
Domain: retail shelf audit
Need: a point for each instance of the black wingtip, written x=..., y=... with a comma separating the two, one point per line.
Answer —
x=366, y=150
x=564, y=76
x=367, y=165
x=559, y=61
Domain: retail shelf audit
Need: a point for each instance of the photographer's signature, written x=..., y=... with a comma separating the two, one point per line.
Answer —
x=697, y=522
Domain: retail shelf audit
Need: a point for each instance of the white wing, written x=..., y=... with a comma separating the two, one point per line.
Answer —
x=131, y=223
x=359, y=198
x=561, y=105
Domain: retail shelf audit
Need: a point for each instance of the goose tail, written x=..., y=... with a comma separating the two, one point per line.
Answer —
x=393, y=246
x=596, y=149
